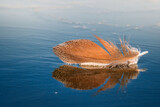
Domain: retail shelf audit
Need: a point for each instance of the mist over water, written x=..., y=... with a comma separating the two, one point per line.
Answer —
x=30, y=28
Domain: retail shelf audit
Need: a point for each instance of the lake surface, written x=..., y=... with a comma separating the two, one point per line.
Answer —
x=32, y=75
x=27, y=63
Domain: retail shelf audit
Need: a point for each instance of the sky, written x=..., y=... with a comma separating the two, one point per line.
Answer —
x=79, y=13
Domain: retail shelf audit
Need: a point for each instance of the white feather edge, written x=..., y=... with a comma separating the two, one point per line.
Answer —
x=143, y=53
x=130, y=62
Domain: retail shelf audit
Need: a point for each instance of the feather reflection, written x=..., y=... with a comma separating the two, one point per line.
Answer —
x=87, y=78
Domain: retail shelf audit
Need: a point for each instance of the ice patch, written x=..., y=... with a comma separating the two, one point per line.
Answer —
x=80, y=27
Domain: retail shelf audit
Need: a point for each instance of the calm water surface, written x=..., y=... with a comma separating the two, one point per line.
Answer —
x=31, y=74
x=27, y=63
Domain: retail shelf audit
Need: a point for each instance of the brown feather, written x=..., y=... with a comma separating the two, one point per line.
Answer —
x=79, y=51
x=111, y=48
x=86, y=51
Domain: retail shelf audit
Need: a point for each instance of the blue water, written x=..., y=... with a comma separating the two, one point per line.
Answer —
x=32, y=75
x=27, y=63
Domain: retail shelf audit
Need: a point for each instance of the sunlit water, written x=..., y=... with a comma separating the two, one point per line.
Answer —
x=31, y=74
